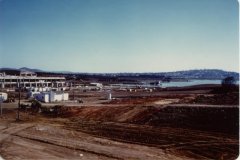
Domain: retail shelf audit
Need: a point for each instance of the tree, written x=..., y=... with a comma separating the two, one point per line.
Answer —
x=229, y=85
x=229, y=81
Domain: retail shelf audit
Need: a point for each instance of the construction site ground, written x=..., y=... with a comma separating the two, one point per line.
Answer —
x=140, y=125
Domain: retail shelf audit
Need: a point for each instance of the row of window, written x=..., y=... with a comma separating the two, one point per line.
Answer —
x=27, y=80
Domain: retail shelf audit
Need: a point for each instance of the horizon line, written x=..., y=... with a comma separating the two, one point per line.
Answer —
x=43, y=70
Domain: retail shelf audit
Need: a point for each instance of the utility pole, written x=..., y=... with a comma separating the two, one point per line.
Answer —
x=19, y=98
x=1, y=99
x=73, y=95
x=73, y=92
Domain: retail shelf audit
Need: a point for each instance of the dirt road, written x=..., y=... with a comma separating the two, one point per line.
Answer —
x=42, y=141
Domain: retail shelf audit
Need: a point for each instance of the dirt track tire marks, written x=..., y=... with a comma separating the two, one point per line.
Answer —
x=98, y=146
x=176, y=141
x=12, y=129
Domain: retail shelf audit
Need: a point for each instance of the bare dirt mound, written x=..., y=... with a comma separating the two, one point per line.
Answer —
x=219, y=119
x=226, y=98
x=203, y=132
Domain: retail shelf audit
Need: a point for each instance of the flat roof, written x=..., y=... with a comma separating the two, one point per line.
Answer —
x=29, y=77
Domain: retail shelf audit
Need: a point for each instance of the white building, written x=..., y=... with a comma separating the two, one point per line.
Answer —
x=3, y=96
x=100, y=85
x=42, y=96
x=52, y=96
x=109, y=96
x=32, y=91
x=36, y=90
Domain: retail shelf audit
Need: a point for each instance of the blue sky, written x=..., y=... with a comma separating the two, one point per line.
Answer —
x=119, y=35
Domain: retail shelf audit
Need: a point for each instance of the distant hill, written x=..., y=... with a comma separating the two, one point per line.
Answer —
x=29, y=69
x=202, y=74
x=188, y=74
x=10, y=71
x=15, y=71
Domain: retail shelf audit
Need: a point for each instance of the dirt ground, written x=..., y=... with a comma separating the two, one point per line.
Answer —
x=141, y=125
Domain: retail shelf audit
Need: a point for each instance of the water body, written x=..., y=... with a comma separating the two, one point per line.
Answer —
x=171, y=84
x=189, y=83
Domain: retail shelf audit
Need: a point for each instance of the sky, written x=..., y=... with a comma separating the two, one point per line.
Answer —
x=119, y=35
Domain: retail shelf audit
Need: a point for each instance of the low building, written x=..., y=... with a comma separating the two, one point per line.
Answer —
x=32, y=91
x=109, y=96
x=36, y=90
x=51, y=96
x=3, y=96
x=32, y=94
x=100, y=85
x=42, y=96
x=58, y=96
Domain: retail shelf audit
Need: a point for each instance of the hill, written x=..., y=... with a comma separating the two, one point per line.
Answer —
x=187, y=74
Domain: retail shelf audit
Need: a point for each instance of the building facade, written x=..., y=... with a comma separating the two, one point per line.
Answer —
x=30, y=79
x=51, y=96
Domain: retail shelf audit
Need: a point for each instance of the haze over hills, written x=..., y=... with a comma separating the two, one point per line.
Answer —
x=187, y=74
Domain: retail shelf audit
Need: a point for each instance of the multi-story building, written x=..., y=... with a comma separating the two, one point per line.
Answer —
x=30, y=79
